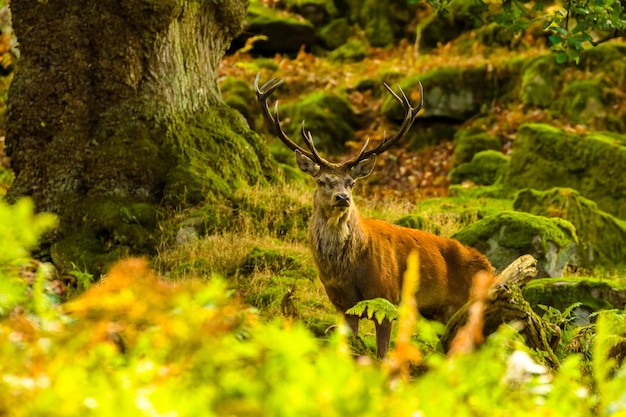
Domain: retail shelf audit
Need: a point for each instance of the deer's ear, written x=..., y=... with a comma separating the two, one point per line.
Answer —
x=307, y=165
x=363, y=168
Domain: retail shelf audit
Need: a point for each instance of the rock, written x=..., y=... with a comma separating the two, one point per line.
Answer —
x=353, y=51
x=601, y=235
x=335, y=34
x=457, y=94
x=272, y=25
x=544, y=157
x=330, y=119
x=486, y=168
x=541, y=81
x=416, y=221
x=505, y=236
x=594, y=294
x=470, y=142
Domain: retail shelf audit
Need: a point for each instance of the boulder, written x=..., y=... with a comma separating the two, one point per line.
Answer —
x=486, y=168
x=601, y=235
x=594, y=294
x=505, y=236
x=455, y=93
x=469, y=142
x=330, y=119
x=544, y=157
x=353, y=51
x=269, y=26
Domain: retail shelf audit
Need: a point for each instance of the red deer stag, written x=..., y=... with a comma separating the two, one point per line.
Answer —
x=359, y=258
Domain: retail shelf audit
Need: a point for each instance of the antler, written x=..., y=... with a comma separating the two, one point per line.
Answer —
x=263, y=94
x=410, y=113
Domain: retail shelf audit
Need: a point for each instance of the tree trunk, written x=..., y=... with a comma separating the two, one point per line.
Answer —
x=115, y=111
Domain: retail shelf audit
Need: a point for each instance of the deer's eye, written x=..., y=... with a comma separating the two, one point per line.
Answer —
x=349, y=183
x=320, y=183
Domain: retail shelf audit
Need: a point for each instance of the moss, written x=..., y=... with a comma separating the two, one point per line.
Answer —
x=497, y=191
x=325, y=7
x=216, y=155
x=440, y=28
x=259, y=14
x=602, y=236
x=486, y=168
x=469, y=143
x=585, y=101
x=457, y=93
x=273, y=260
x=335, y=33
x=352, y=51
x=594, y=293
x=416, y=221
x=541, y=81
x=505, y=236
x=329, y=117
x=494, y=34
x=239, y=95
x=544, y=157
x=375, y=20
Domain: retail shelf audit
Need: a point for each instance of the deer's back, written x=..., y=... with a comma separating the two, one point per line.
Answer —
x=446, y=267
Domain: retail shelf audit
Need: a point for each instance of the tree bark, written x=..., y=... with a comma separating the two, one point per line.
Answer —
x=115, y=110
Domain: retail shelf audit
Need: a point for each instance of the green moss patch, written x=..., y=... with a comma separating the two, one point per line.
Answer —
x=469, y=143
x=416, y=221
x=486, y=168
x=594, y=293
x=330, y=119
x=505, y=236
x=601, y=235
x=544, y=157
x=352, y=51
x=216, y=154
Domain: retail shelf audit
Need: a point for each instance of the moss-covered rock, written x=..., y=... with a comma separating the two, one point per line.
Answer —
x=315, y=11
x=417, y=221
x=239, y=95
x=272, y=24
x=541, y=81
x=486, y=168
x=470, y=142
x=456, y=93
x=352, y=51
x=330, y=119
x=112, y=229
x=383, y=21
x=441, y=28
x=594, y=293
x=216, y=155
x=335, y=33
x=601, y=235
x=544, y=157
x=506, y=236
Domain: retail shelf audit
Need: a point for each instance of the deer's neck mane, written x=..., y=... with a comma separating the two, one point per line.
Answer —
x=337, y=237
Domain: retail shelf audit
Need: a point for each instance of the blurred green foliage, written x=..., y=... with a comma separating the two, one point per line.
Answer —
x=137, y=344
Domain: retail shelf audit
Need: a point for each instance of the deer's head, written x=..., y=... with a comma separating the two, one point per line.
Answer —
x=334, y=181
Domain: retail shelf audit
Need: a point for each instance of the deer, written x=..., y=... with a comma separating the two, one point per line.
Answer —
x=364, y=258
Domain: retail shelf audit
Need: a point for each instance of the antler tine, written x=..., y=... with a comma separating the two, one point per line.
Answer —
x=308, y=140
x=263, y=93
x=410, y=113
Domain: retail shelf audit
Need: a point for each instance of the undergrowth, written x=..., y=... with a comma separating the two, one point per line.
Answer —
x=237, y=324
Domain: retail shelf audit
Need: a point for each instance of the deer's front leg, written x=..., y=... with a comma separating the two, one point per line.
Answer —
x=383, y=334
x=353, y=323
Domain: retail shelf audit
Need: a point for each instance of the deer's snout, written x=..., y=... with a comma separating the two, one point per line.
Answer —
x=342, y=199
